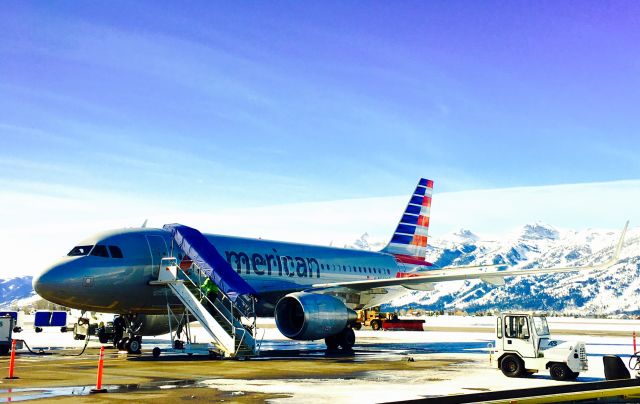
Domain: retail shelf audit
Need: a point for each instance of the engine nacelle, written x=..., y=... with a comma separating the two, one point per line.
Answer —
x=151, y=324
x=310, y=316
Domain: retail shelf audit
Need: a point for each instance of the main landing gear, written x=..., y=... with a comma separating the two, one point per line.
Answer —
x=125, y=338
x=345, y=339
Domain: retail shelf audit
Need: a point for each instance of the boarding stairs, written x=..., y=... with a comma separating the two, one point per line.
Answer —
x=229, y=317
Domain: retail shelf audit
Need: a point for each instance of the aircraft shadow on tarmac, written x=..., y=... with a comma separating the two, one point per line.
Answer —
x=274, y=350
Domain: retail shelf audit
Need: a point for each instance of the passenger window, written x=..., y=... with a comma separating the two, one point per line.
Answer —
x=100, y=251
x=115, y=251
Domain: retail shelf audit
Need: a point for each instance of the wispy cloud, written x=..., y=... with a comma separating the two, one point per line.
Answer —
x=45, y=224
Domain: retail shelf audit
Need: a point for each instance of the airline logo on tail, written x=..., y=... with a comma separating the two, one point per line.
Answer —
x=409, y=241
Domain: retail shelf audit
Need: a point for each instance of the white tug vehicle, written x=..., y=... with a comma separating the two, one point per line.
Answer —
x=524, y=346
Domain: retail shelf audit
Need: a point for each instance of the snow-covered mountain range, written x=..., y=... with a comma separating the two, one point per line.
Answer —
x=612, y=291
x=13, y=290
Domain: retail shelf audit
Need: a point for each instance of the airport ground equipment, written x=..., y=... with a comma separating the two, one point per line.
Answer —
x=14, y=315
x=379, y=320
x=7, y=323
x=614, y=368
x=228, y=316
x=49, y=318
x=524, y=346
x=105, y=332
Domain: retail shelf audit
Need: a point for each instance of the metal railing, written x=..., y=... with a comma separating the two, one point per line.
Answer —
x=196, y=280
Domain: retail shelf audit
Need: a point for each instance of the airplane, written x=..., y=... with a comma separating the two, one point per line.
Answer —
x=312, y=291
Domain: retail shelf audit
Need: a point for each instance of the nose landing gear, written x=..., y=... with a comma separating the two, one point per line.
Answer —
x=125, y=338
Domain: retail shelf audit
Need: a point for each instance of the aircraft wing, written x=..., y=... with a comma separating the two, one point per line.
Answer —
x=442, y=275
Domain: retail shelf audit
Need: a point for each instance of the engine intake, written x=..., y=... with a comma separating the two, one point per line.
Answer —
x=311, y=316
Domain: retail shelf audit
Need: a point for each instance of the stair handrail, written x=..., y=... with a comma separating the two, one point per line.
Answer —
x=200, y=273
x=240, y=343
x=252, y=327
x=202, y=295
x=223, y=296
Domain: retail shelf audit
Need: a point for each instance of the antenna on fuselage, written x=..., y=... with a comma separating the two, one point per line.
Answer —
x=145, y=223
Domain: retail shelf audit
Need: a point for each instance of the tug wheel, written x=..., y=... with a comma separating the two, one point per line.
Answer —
x=512, y=366
x=560, y=371
x=156, y=352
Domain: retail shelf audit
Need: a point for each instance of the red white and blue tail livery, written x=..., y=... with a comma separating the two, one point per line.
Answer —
x=409, y=241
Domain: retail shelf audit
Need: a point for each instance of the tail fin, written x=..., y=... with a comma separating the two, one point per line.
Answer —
x=409, y=241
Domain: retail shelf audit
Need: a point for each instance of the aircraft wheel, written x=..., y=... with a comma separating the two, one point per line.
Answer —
x=4, y=350
x=332, y=342
x=347, y=338
x=512, y=366
x=122, y=344
x=376, y=325
x=560, y=371
x=134, y=346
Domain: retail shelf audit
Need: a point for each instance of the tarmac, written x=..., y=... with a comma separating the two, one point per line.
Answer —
x=384, y=366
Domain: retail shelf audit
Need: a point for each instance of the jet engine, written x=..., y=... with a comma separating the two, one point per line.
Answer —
x=151, y=324
x=311, y=316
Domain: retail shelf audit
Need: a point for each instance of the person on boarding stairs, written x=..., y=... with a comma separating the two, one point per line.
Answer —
x=210, y=289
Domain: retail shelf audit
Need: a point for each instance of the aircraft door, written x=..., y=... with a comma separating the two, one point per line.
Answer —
x=517, y=336
x=159, y=250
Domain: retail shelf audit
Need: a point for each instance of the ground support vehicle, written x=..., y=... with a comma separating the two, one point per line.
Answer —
x=6, y=333
x=378, y=320
x=524, y=346
x=105, y=332
x=403, y=325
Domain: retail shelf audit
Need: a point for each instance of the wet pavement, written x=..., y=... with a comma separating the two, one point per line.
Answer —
x=384, y=366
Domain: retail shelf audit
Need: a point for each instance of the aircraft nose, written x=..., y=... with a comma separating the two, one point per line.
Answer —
x=51, y=283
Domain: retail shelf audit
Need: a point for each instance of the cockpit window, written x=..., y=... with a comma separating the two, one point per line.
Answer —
x=80, y=250
x=115, y=251
x=100, y=251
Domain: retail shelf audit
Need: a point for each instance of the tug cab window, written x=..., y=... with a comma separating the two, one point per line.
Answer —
x=115, y=251
x=516, y=327
x=100, y=251
x=79, y=250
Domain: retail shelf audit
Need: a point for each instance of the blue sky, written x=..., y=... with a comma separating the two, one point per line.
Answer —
x=200, y=106
x=263, y=103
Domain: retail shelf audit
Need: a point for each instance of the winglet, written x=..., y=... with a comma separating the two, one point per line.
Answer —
x=616, y=254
